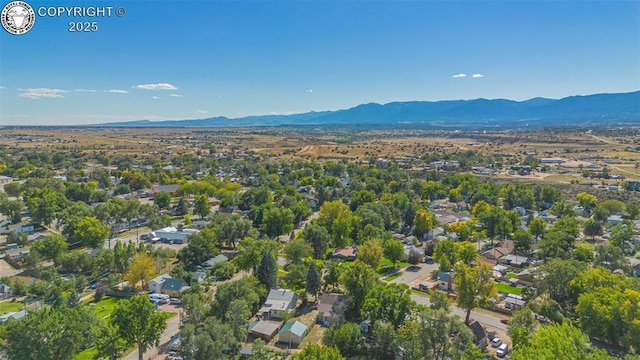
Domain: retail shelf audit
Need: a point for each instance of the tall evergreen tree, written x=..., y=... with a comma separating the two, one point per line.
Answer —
x=267, y=271
x=314, y=281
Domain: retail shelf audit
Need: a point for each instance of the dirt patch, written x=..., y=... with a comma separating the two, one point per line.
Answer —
x=309, y=150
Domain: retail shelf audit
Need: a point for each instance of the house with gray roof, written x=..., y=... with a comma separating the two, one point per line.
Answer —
x=263, y=329
x=174, y=287
x=278, y=301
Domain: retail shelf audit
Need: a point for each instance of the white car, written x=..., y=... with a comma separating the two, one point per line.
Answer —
x=496, y=342
x=175, y=301
x=502, y=351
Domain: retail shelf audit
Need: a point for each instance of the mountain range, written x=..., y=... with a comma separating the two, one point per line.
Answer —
x=588, y=110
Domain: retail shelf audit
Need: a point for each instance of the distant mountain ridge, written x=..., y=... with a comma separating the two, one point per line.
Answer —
x=612, y=109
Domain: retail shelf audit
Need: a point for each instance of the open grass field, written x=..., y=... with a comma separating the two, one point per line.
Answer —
x=104, y=307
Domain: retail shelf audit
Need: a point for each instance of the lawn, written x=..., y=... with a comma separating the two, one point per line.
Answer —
x=8, y=306
x=512, y=276
x=394, y=276
x=508, y=289
x=386, y=266
x=104, y=307
x=87, y=354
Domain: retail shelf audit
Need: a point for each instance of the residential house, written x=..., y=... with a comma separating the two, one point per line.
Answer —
x=199, y=276
x=614, y=219
x=18, y=228
x=330, y=308
x=445, y=280
x=155, y=285
x=346, y=253
x=19, y=315
x=6, y=291
x=36, y=236
x=16, y=256
x=264, y=330
x=292, y=333
x=220, y=258
x=479, y=333
x=525, y=277
x=514, y=260
x=504, y=248
x=174, y=287
x=278, y=301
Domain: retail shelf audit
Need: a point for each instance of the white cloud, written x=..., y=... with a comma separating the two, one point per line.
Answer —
x=155, y=97
x=201, y=112
x=175, y=95
x=39, y=93
x=117, y=91
x=85, y=90
x=476, y=76
x=309, y=90
x=2, y=87
x=158, y=86
x=461, y=75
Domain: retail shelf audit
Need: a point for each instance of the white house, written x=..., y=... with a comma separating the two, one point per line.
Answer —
x=172, y=234
x=278, y=301
x=155, y=285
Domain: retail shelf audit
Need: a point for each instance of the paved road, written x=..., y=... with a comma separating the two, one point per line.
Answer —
x=482, y=318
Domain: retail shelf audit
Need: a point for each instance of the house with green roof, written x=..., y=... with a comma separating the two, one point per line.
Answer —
x=292, y=333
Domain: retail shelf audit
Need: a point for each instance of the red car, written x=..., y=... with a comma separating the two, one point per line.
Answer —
x=504, y=321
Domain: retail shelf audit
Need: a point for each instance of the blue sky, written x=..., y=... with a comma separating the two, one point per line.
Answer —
x=197, y=59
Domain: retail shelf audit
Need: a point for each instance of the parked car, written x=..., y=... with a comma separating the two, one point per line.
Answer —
x=504, y=321
x=175, y=301
x=502, y=351
x=496, y=342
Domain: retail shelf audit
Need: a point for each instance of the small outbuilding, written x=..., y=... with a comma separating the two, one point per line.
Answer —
x=293, y=333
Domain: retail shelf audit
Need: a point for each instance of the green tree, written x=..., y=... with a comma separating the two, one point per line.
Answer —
x=182, y=208
x=12, y=209
x=91, y=232
x=318, y=352
x=51, y=247
x=200, y=248
x=587, y=201
x=142, y=268
x=138, y=323
x=45, y=204
x=108, y=344
x=314, y=280
x=521, y=327
x=49, y=333
x=371, y=253
x=621, y=235
x=556, y=275
x=267, y=272
x=424, y=222
x=357, y=279
x=559, y=342
x=434, y=334
x=465, y=251
x=159, y=222
x=297, y=250
x=319, y=238
x=537, y=227
x=445, y=254
x=610, y=256
x=556, y=244
x=475, y=286
x=247, y=289
x=522, y=240
x=394, y=251
x=277, y=221
x=202, y=206
x=592, y=228
x=162, y=200
x=347, y=338
x=390, y=303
